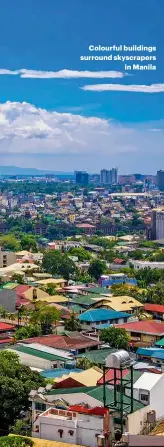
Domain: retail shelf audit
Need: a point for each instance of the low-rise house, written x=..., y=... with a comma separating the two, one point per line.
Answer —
x=156, y=310
x=119, y=303
x=76, y=342
x=41, y=359
x=138, y=265
x=115, y=278
x=88, y=377
x=149, y=389
x=90, y=397
x=80, y=426
x=91, y=318
x=144, y=331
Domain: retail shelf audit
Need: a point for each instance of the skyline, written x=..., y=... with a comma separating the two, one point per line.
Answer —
x=58, y=110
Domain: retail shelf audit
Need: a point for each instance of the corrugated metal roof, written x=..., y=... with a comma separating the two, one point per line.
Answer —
x=102, y=315
x=36, y=353
x=49, y=350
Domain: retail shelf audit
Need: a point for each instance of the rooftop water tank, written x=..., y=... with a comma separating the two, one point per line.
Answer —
x=118, y=360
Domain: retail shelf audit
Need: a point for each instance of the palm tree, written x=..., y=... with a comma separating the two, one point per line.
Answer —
x=72, y=324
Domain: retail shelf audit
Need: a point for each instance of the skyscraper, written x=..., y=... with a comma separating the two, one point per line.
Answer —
x=108, y=177
x=105, y=177
x=113, y=174
x=160, y=180
x=82, y=177
x=157, y=224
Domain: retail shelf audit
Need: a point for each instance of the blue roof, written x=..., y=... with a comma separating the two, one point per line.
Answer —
x=158, y=354
x=53, y=373
x=147, y=351
x=102, y=315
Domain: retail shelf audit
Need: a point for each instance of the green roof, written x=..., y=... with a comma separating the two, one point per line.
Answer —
x=160, y=342
x=37, y=353
x=83, y=300
x=97, y=290
x=10, y=285
x=76, y=308
x=97, y=356
x=136, y=375
x=97, y=393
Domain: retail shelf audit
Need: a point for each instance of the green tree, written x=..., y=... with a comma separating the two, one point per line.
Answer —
x=28, y=242
x=44, y=317
x=15, y=441
x=97, y=268
x=51, y=289
x=16, y=381
x=21, y=427
x=116, y=337
x=83, y=363
x=28, y=331
x=72, y=324
x=57, y=263
x=81, y=253
x=9, y=242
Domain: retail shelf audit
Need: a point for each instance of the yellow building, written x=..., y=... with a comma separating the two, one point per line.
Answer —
x=126, y=304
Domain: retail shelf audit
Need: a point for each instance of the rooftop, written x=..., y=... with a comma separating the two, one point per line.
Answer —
x=102, y=315
x=159, y=308
x=63, y=341
x=147, y=381
x=37, y=353
x=144, y=327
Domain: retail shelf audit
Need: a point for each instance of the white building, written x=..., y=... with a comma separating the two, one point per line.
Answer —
x=138, y=265
x=149, y=389
x=69, y=427
x=157, y=224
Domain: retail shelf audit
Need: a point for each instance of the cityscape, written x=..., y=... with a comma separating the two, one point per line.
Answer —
x=81, y=223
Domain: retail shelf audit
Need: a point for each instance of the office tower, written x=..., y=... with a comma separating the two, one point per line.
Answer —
x=82, y=177
x=160, y=180
x=113, y=175
x=104, y=177
x=157, y=224
x=108, y=177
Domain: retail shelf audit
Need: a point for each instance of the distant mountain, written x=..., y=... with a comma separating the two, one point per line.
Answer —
x=15, y=170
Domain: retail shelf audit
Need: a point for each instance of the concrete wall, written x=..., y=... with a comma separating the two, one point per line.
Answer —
x=135, y=421
x=84, y=428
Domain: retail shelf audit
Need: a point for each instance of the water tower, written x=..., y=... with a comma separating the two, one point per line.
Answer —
x=118, y=362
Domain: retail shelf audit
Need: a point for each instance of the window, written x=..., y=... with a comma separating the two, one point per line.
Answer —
x=144, y=397
x=60, y=431
x=40, y=407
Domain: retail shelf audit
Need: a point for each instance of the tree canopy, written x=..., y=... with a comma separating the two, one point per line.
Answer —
x=97, y=268
x=56, y=263
x=116, y=337
x=16, y=381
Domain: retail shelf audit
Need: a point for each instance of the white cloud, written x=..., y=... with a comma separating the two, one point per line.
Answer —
x=67, y=74
x=29, y=131
x=62, y=74
x=3, y=71
x=154, y=88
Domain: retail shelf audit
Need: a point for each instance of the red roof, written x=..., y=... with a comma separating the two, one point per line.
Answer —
x=5, y=340
x=118, y=261
x=109, y=375
x=22, y=288
x=154, y=308
x=6, y=327
x=63, y=342
x=98, y=411
x=144, y=327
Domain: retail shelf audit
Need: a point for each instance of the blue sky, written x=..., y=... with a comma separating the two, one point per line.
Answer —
x=65, y=122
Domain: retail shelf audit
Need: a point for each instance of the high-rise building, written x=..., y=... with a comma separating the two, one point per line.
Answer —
x=108, y=177
x=160, y=180
x=104, y=177
x=82, y=177
x=113, y=175
x=157, y=224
